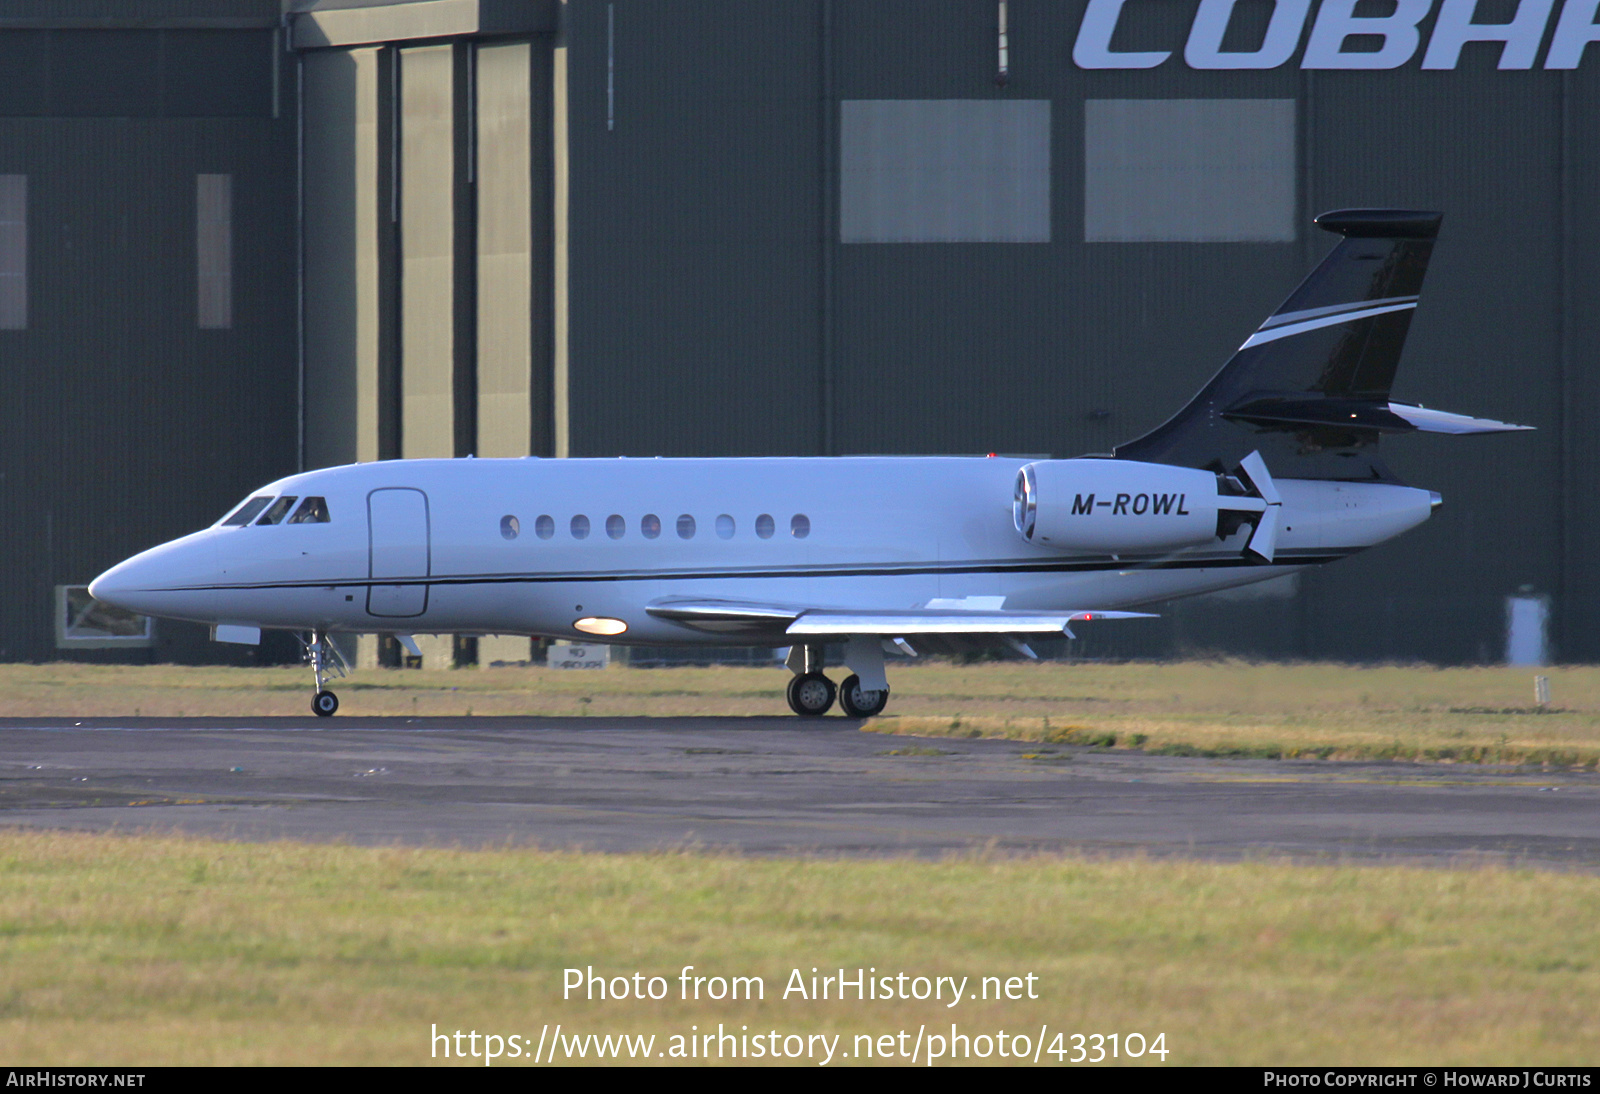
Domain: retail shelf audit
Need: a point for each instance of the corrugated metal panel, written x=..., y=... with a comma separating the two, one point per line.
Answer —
x=101, y=73
x=505, y=249
x=695, y=225
x=347, y=213
x=1485, y=340
x=112, y=14
x=1577, y=631
x=427, y=251
x=125, y=424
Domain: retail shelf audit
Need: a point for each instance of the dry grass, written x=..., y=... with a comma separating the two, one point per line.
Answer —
x=1335, y=711
x=119, y=950
x=1482, y=715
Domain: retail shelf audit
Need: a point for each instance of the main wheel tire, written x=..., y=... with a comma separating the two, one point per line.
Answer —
x=860, y=703
x=324, y=703
x=811, y=695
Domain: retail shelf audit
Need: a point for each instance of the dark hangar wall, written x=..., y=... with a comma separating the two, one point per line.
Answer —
x=715, y=310
x=730, y=228
x=149, y=330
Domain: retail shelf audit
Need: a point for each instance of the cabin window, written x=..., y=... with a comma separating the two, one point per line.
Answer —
x=800, y=526
x=247, y=512
x=510, y=527
x=545, y=526
x=764, y=526
x=580, y=527
x=650, y=526
x=278, y=509
x=724, y=527
x=616, y=527
x=686, y=527
x=311, y=511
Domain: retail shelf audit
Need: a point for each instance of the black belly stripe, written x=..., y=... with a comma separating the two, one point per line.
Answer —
x=1284, y=560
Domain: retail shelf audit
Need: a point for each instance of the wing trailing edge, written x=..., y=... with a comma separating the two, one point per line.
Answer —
x=743, y=617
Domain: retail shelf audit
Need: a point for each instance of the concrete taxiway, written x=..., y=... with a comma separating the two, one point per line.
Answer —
x=765, y=786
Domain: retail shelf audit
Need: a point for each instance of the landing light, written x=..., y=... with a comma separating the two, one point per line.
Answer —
x=599, y=625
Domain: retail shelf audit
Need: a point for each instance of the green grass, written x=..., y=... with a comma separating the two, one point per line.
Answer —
x=1326, y=711
x=156, y=950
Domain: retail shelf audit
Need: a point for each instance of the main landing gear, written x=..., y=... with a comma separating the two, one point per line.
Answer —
x=811, y=694
x=326, y=662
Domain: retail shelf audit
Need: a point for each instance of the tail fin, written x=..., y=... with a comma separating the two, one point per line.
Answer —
x=1311, y=386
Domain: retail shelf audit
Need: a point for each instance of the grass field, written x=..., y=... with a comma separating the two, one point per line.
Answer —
x=151, y=949
x=1217, y=708
x=123, y=950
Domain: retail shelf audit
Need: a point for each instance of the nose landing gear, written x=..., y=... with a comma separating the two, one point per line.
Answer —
x=326, y=661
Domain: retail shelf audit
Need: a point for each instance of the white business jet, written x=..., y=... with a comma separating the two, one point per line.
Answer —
x=1272, y=467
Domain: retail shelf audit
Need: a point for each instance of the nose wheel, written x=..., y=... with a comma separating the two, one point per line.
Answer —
x=326, y=662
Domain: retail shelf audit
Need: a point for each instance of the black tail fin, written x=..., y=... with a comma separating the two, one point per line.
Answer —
x=1310, y=388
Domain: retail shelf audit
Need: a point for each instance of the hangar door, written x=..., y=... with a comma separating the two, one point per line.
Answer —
x=398, y=547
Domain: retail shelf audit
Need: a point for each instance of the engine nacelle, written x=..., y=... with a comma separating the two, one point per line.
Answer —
x=1115, y=506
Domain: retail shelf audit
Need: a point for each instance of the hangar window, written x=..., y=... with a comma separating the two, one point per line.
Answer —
x=311, y=511
x=616, y=527
x=764, y=526
x=247, y=512
x=510, y=527
x=686, y=527
x=275, y=512
x=545, y=526
x=82, y=622
x=650, y=526
x=13, y=252
x=1189, y=170
x=213, y=204
x=944, y=171
x=580, y=527
x=725, y=527
x=800, y=526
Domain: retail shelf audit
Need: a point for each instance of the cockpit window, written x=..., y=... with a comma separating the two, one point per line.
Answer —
x=247, y=512
x=311, y=511
x=277, y=509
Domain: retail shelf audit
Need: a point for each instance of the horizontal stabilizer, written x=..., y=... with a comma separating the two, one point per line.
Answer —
x=1440, y=421
x=1357, y=415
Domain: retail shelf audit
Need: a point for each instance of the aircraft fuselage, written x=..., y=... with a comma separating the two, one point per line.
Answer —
x=532, y=546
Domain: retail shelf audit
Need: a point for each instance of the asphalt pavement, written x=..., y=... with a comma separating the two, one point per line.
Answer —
x=766, y=786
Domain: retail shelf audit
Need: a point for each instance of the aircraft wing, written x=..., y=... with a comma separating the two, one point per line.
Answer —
x=736, y=617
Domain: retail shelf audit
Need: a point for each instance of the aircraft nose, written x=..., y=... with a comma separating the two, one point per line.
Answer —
x=129, y=585
x=110, y=585
x=161, y=581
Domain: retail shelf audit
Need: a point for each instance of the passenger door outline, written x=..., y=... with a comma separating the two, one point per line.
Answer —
x=394, y=516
